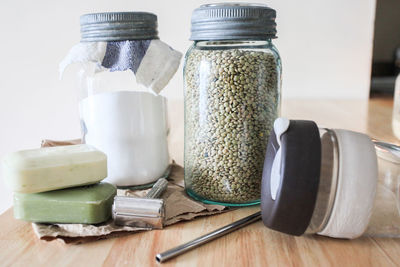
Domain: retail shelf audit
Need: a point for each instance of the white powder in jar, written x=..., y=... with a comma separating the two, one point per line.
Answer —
x=131, y=128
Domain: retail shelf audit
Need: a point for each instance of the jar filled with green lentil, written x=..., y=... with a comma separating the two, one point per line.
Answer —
x=232, y=80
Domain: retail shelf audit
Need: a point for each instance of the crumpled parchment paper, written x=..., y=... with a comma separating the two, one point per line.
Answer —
x=178, y=207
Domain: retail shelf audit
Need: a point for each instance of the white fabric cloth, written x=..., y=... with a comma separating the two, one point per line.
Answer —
x=356, y=188
x=82, y=53
x=157, y=65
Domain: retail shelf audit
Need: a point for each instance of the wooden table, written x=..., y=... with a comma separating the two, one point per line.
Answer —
x=254, y=245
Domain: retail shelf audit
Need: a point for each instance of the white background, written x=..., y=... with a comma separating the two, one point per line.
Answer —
x=325, y=45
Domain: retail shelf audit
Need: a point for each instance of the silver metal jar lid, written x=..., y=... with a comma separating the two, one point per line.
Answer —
x=116, y=26
x=233, y=21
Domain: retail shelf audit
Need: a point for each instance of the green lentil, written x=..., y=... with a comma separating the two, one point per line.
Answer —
x=231, y=100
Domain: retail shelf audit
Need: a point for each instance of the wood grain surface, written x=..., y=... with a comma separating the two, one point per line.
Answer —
x=254, y=245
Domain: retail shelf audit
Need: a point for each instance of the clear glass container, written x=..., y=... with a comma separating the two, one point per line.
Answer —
x=125, y=122
x=119, y=115
x=327, y=181
x=385, y=216
x=396, y=109
x=232, y=97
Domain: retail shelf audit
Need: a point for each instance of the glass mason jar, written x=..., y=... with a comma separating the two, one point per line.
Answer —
x=347, y=186
x=118, y=115
x=232, y=80
x=396, y=108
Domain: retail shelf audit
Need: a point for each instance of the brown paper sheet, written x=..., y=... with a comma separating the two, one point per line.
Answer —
x=178, y=207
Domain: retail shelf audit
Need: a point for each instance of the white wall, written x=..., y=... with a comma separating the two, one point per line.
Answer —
x=325, y=48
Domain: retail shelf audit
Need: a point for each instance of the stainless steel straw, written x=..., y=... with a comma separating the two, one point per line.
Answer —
x=169, y=254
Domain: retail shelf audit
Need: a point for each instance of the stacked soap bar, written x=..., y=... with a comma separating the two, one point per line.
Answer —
x=51, y=184
x=51, y=168
x=86, y=204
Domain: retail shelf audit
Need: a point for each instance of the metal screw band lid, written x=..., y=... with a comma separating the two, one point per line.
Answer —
x=233, y=21
x=118, y=26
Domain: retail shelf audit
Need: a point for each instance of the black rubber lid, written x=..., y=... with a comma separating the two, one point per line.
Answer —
x=296, y=195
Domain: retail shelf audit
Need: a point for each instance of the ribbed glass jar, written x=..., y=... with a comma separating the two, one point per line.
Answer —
x=232, y=97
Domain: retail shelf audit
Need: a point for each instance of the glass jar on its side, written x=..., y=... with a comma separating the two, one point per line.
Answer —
x=232, y=97
x=327, y=181
x=347, y=185
x=384, y=219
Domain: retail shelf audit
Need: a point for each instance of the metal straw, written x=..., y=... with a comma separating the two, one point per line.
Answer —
x=169, y=254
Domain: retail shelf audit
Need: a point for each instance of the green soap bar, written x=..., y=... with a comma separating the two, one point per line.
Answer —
x=87, y=204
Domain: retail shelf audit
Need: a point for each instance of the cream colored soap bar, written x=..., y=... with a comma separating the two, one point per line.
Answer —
x=51, y=168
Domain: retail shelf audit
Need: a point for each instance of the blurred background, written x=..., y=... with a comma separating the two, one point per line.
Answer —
x=386, y=49
x=329, y=49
